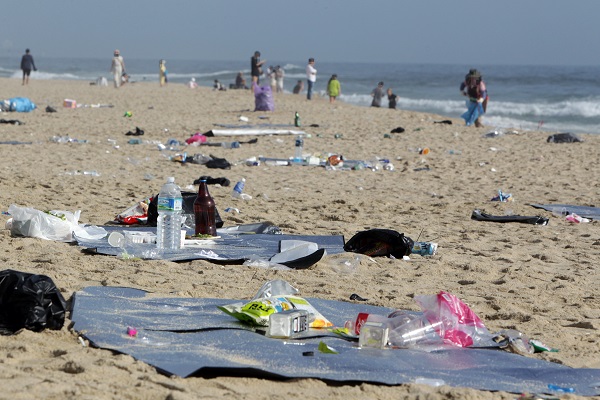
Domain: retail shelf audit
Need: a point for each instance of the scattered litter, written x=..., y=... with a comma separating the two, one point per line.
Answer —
x=576, y=218
x=564, y=138
x=11, y=121
x=503, y=197
x=66, y=139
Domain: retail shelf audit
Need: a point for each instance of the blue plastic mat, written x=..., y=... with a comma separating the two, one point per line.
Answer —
x=191, y=337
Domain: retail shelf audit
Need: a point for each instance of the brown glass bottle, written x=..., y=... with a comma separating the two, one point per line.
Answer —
x=205, y=212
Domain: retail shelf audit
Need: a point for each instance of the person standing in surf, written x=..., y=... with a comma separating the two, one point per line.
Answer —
x=27, y=65
x=474, y=88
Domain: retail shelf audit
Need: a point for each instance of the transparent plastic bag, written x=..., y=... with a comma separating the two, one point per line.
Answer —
x=52, y=225
x=461, y=326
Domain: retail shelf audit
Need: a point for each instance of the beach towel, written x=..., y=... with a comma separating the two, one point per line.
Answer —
x=474, y=111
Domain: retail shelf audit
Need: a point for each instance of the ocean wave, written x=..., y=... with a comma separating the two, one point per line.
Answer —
x=49, y=75
x=586, y=108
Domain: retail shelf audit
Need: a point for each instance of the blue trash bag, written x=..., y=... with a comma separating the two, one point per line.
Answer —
x=263, y=98
x=473, y=112
x=21, y=104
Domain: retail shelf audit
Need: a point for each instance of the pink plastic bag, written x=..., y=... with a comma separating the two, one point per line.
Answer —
x=462, y=327
x=196, y=138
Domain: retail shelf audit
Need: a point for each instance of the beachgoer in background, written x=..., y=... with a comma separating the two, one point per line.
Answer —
x=377, y=94
x=333, y=88
x=299, y=87
x=240, y=81
x=117, y=68
x=474, y=87
x=192, y=83
x=124, y=78
x=279, y=74
x=162, y=72
x=311, y=77
x=392, y=99
x=272, y=78
x=255, y=66
x=27, y=65
x=218, y=85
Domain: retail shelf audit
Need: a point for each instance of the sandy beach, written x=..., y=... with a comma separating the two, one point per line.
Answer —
x=540, y=280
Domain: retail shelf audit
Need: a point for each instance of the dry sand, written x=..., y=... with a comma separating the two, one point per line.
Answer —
x=536, y=279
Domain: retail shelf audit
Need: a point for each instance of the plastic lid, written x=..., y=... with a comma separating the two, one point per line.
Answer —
x=170, y=179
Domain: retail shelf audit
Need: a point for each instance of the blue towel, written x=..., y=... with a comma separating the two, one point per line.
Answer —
x=474, y=111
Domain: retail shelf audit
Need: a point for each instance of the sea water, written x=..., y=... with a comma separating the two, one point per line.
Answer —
x=551, y=98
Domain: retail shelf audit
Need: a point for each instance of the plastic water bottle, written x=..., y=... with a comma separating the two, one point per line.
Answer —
x=230, y=145
x=238, y=191
x=170, y=209
x=299, y=147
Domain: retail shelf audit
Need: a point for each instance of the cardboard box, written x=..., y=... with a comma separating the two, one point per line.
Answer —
x=68, y=103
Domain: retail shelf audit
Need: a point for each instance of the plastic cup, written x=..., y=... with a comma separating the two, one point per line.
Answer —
x=417, y=331
x=116, y=239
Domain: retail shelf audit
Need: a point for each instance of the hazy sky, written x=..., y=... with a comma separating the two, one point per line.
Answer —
x=414, y=31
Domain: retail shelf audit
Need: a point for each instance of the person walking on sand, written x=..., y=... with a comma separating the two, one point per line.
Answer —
x=162, y=72
x=333, y=88
x=279, y=74
x=392, y=99
x=256, y=67
x=27, y=65
x=117, y=68
x=474, y=88
x=377, y=94
x=311, y=77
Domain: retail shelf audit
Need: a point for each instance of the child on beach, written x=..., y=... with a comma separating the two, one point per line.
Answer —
x=392, y=99
x=333, y=88
x=299, y=87
x=162, y=72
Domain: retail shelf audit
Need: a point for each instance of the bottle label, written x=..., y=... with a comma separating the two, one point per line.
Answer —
x=299, y=142
x=170, y=204
x=239, y=187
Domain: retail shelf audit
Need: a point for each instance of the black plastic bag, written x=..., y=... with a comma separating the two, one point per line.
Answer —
x=29, y=301
x=380, y=243
x=188, y=209
x=564, y=138
x=216, y=162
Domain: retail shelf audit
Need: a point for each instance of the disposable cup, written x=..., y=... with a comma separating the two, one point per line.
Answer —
x=116, y=239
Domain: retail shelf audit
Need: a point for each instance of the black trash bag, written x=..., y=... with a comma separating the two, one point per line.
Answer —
x=29, y=301
x=380, y=243
x=564, y=138
x=216, y=162
x=188, y=208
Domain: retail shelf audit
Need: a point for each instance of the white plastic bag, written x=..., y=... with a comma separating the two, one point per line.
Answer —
x=53, y=225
